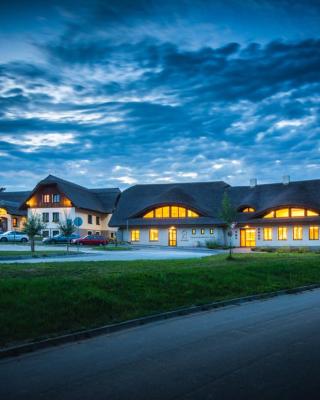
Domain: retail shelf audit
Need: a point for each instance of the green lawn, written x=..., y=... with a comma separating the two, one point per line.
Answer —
x=38, y=253
x=112, y=248
x=39, y=300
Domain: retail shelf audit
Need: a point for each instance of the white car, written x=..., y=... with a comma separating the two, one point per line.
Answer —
x=13, y=236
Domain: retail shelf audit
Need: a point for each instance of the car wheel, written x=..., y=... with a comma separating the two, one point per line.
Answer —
x=4, y=239
x=24, y=240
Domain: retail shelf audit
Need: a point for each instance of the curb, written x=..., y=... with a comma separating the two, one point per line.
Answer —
x=85, y=334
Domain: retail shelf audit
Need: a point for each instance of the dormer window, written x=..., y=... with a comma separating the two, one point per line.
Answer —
x=248, y=210
x=46, y=198
x=171, y=212
x=56, y=198
x=292, y=212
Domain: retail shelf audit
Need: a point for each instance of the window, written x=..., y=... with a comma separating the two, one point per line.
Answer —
x=194, y=231
x=282, y=213
x=45, y=234
x=248, y=209
x=211, y=231
x=291, y=213
x=297, y=212
x=46, y=198
x=171, y=212
x=135, y=235
x=97, y=220
x=112, y=235
x=313, y=233
x=55, y=217
x=267, y=233
x=297, y=233
x=97, y=233
x=89, y=219
x=56, y=198
x=54, y=233
x=45, y=217
x=153, y=235
x=312, y=213
x=14, y=222
x=282, y=233
x=202, y=231
x=89, y=233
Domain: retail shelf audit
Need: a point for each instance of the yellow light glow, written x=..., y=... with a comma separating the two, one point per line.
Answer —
x=3, y=211
x=171, y=212
x=248, y=209
x=312, y=213
x=154, y=235
x=297, y=233
x=282, y=213
x=291, y=213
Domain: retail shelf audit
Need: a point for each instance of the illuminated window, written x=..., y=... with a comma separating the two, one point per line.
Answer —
x=282, y=213
x=135, y=235
x=267, y=233
x=211, y=231
x=248, y=209
x=297, y=233
x=282, y=233
x=194, y=231
x=171, y=212
x=313, y=233
x=174, y=212
x=14, y=222
x=46, y=198
x=150, y=214
x=312, y=213
x=298, y=212
x=202, y=231
x=269, y=215
x=154, y=235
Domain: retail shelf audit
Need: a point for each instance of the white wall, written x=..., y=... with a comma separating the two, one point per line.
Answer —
x=184, y=236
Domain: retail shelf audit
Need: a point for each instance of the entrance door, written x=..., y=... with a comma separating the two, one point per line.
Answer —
x=172, y=237
x=247, y=237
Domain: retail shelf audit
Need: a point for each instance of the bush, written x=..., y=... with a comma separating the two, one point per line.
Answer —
x=211, y=244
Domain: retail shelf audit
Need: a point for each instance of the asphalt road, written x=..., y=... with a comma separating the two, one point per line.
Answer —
x=262, y=350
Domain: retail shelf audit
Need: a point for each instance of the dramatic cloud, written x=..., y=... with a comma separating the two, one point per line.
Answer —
x=118, y=93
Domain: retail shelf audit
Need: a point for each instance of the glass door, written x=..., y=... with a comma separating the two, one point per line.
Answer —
x=247, y=237
x=172, y=237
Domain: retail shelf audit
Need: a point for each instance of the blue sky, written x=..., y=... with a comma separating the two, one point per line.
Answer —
x=113, y=93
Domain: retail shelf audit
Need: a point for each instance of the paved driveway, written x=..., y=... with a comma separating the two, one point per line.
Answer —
x=261, y=350
x=135, y=254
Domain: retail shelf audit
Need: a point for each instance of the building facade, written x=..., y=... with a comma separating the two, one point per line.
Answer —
x=56, y=200
x=11, y=216
x=189, y=214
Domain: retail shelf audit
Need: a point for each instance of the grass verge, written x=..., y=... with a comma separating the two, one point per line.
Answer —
x=41, y=300
x=7, y=254
x=112, y=248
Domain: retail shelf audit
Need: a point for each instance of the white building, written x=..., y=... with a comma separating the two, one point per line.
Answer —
x=189, y=214
x=55, y=199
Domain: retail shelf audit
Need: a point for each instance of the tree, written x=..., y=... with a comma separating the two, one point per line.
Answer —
x=228, y=214
x=67, y=227
x=33, y=227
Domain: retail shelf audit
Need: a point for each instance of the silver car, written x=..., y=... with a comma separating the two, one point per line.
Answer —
x=13, y=236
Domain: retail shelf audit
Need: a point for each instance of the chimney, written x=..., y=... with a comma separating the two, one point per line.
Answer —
x=253, y=182
x=286, y=179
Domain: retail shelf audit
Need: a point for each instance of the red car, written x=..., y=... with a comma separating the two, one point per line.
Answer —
x=91, y=240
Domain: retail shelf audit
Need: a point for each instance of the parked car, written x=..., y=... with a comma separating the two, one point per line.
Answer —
x=60, y=238
x=13, y=236
x=91, y=240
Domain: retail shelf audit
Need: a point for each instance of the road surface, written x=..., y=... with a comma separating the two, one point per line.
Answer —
x=261, y=350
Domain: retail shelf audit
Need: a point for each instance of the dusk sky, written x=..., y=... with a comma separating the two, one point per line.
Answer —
x=113, y=93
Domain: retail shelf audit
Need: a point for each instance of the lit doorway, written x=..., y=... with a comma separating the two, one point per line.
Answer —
x=172, y=237
x=247, y=237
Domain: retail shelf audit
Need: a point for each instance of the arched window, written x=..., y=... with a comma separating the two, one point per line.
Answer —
x=171, y=212
x=292, y=212
x=248, y=210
